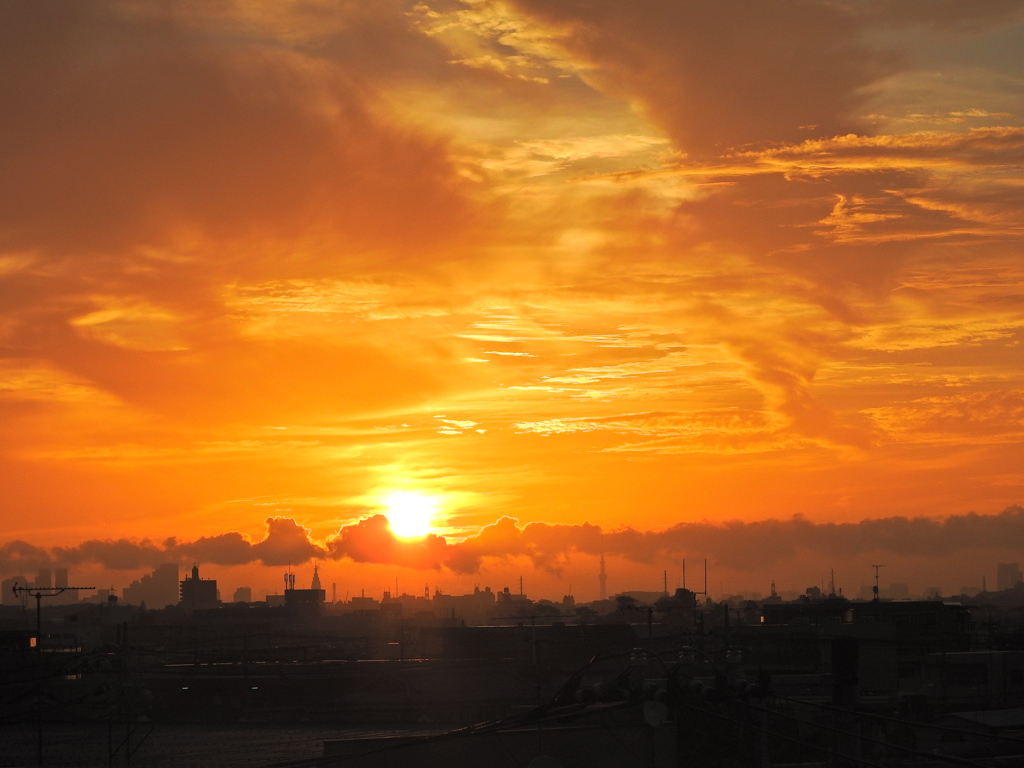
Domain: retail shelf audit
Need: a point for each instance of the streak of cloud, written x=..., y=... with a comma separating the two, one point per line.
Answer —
x=737, y=545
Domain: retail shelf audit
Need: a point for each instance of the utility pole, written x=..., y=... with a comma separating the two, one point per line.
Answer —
x=875, y=590
x=39, y=593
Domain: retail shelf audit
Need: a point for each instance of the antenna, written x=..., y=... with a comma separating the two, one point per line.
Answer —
x=602, y=580
x=705, y=590
x=875, y=589
x=39, y=593
x=664, y=581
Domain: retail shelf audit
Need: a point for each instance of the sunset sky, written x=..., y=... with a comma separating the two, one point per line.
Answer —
x=740, y=279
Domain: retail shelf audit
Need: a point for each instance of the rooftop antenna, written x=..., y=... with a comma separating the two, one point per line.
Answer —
x=602, y=580
x=705, y=590
x=39, y=593
x=875, y=588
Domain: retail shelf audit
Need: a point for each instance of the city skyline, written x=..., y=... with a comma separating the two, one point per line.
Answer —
x=458, y=291
x=160, y=587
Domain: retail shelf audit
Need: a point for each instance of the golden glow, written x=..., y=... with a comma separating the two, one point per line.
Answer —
x=410, y=514
x=498, y=271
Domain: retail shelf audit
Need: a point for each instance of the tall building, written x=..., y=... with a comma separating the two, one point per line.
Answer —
x=60, y=580
x=1008, y=576
x=242, y=595
x=314, y=596
x=157, y=589
x=316, y=578
x=198, y=593
x=45, y=578
x=602, y=579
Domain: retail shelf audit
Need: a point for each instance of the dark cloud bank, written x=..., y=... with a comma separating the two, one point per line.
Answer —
x=736, y=545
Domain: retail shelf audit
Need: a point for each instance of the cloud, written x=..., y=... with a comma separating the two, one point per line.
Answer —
x=973, y=417
x=750, y=546
x=370, y=541
x=956, y=15
x=116, y=554
x=737, y=545
x=285, y=542
x=149, y=126
x=22, y=559
x=976, y=148
x=721, y=75
x=157, y=156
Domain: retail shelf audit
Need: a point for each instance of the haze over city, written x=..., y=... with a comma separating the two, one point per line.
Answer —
x=450, y=293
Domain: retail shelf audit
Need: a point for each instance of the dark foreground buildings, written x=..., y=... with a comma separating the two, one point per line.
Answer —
x=678, y=682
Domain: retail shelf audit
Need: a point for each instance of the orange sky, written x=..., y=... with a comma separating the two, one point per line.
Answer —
x=643, y=265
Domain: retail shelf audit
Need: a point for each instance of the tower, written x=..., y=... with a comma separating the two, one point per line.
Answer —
x=316, y=578
x=602, y=579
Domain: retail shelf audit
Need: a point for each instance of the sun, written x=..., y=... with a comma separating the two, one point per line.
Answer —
x=410, y=514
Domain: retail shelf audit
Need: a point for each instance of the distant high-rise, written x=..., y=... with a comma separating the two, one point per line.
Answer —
x=45, y=578
x=304, y=599
x=157, y=589
x=316, y=578
x=1008, y=576
x=242, y=595
x=198, y=593
x=60, y=580
x=602, y=579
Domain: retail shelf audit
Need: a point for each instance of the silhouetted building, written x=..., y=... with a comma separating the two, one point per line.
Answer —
x=305, y=598
x=363, y=603
x=316, y=578
x=157, y=589
x=507, y=596
x=475, y=606
x=198, y=593
x=1008, y=576
x=60, y=580
x=898, y=590
x=242, y=595
x=643, y=596
x=45, y=578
